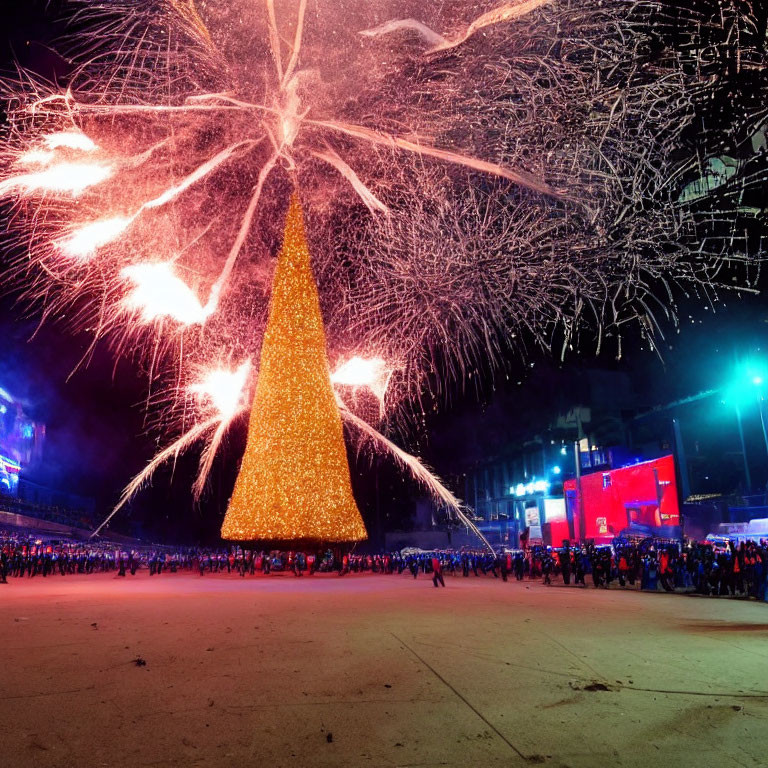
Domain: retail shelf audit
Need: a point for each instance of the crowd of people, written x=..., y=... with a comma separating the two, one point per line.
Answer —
x=704, y=568
x=701, y=567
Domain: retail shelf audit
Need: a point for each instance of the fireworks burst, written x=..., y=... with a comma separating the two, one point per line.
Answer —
x=473, y=173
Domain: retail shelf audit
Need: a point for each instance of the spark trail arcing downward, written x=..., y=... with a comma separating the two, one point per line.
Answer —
x=417, y=470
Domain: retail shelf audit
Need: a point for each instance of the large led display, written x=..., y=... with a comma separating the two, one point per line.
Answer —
x=639, y=499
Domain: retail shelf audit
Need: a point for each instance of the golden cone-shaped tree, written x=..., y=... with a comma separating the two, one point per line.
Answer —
x=294, y=482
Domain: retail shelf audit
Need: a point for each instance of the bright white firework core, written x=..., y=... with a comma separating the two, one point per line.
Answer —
x=370, y=372
x=84, y=242
x=158, y=292
x=36, y=157
x=73, y=178
x=359, y=371
x=224, y=389
x=69, y=140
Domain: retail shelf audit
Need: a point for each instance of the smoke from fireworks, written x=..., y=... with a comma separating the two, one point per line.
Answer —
x=473, y=174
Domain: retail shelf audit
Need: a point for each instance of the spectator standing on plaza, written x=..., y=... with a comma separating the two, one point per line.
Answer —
x=503, y=566
x=437, y=571
x=565, y=563
x=665, y=570
x=623, y=567
x=737, y=560
x=597, y=569
x=650, y=572
x=547, y=564
x=581, y=563
x=519, y=565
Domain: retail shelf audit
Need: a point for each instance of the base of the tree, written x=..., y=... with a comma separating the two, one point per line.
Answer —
x=292, y=545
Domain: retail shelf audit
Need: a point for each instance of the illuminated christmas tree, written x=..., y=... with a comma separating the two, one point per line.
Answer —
x=294, y=482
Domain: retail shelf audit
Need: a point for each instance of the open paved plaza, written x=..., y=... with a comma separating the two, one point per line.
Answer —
x=375, y=670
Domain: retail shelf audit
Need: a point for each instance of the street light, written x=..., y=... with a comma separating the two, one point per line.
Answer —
x=748, y=384
x=757, y=382
x=747, y=476
x=756, y=372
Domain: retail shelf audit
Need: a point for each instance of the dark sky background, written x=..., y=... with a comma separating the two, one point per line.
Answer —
x=96, y=436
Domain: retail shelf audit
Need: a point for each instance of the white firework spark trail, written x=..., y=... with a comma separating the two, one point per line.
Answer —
x=416, y=468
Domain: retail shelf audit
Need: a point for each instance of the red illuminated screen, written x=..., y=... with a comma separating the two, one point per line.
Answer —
x=632, y=499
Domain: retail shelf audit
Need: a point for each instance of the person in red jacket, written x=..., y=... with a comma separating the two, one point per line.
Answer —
x=623, y=568
x=437, y=571
x=665, y=570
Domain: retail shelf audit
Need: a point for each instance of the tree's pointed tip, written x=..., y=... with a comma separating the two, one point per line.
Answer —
x=293, y=232
x=295, y=209
x=294, y=252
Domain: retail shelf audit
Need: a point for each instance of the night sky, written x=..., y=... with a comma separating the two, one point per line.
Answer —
x=96, y=436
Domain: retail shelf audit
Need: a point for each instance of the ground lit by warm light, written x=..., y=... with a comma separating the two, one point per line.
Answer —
x=375, y=671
